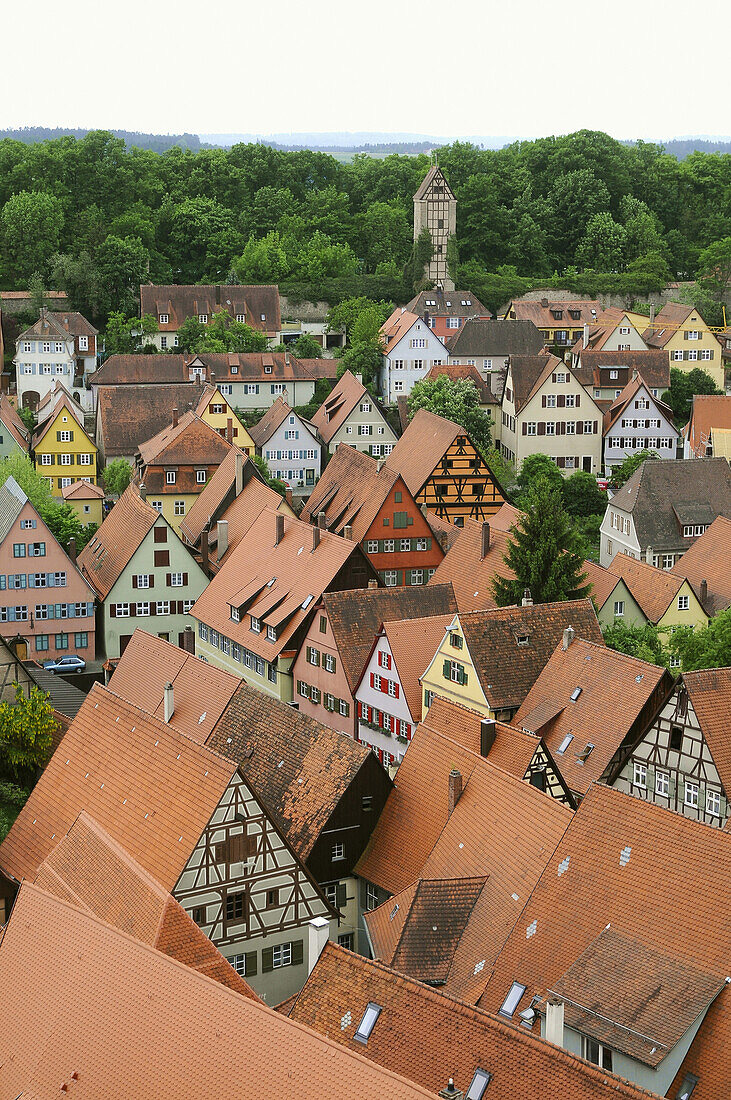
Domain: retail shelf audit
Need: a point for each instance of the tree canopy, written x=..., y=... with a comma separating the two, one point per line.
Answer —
x=456, y=400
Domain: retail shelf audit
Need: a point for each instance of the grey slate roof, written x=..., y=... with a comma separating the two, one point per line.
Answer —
x=65, y=698
x=661, y=491
x=12, y=499
x=493, y=339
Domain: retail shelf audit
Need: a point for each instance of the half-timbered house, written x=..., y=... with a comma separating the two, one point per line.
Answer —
x=682, y=759
x=444, y=470
x=192, y=820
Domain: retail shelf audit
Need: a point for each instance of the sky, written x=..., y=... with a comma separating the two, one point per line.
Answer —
x=522, y=68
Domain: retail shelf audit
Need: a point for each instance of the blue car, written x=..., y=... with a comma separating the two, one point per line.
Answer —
x=71, y=663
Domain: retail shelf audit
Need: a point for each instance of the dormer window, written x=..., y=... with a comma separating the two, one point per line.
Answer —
x=575, y=314
x=272, y=633
x=263, y=316
x=203, y=318
x=235, y=614
x=557, y=313
x=163, y=319
x=267, y=370
x=234, y=370
x=241, y=317
x=170, y=476
x=522, y=639
x=256, y=624
x=614, y=374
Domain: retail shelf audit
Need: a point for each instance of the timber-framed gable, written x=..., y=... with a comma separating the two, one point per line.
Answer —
x=461, y=484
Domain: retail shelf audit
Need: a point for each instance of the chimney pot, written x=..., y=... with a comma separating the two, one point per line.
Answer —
x=222, y=539
x=72, y=549
x=648, y=555
x=568, y=637
x=485, y=539
x=279, y=529
x=175, y=417
x=652, y=313
x=554, y=1021
x=143, y=491
x=586, y=335
x=239, y=473
x=488, y=731
x=544, y=303
x=527, y=600
x=229, y=430
x=455, y=788
x=451, y=1092
x=169, y=702
x=321, y=521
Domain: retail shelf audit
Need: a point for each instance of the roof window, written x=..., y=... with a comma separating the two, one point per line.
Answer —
x=565, y=744
x=686, y=1089
x=575, y=694
x=267, y=370
x=588, y=750
x=511, y=1002
x=479, y=1083
x=366, y=1025
x=522, y=639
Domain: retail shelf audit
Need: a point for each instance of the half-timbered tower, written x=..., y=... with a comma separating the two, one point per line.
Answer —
x=444, y=470
x=192, y=821
x=681, y=761
x=435, y=209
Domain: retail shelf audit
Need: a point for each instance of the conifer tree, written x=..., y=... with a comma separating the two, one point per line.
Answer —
x=542, y=553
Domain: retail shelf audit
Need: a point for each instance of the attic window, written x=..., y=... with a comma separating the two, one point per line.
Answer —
x=522, y=639
x=366, y=1025
x=449, y=303
x=575, y=313
x=393, y=912
x=267, y=370
x=565, y=744
x=263, y=316
x=588, y=750
x=640, y=678
x=686, y=1089
x=234, y=370
x=575, y=694
x=511, y=1002
x=479, y=1083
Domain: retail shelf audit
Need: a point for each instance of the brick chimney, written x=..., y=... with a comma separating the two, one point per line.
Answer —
x=455, y=788
x=169, y=702
x=348, y=532
x=544, y=303
x=239, y=473
x=175, y=416
x=568, y=637
x=189, y=640
x=279, y=529
x=373, y=583
x=72, y=549
x=527, y=600
x=229, y=430
x=316, y=537
x=288, y=497
x=487, y=735
x=143, y=491
x=485, y=540
x=704, y=591
x=222, y=538
x=321, y=521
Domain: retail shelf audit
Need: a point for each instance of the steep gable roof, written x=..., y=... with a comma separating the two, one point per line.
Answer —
x=12, y=502
x=413, y=644
x=135, y=370
x=529, y=372
x=299, y=767
x=512, y=750
x=614, y=690
x=84, y=999
x=355, y=618
x=706, y=559
x=659, y=486
x=90, y=870
x=396, y=326
x=220, y=491
x=152, y=788
x=496, y=339
x=708, y=413
x=128, y=414
x=338, y=405
x=506, y=667
x=462, y=1039
x=654, y=589
x=434, y=175
x=351, y=491
x=189, y=441
x=65, y=324
x=457, y=372
x=122, y=532
x=12, y=422
x=468, y=571
x=671, y=317
x=51, y=421
x=630, y=391
x=710, y=693
x=602, y=581
x=272, y=419
x=421, y=447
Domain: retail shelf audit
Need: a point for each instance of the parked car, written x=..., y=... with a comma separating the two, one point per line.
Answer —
x=70, y=663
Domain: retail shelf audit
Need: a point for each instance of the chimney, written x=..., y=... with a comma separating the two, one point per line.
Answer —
x=206, y=551
x=222, y=538
x=487, y=735
x=450, y=1093
x=318, y=931
x=424, y=509
x=635, y=372
x=648, y=555
x=72, y=549
x=321, y=521
x=704, y=590
x=143, y=491
x=212, y=377
x=373, y=584
x=175, y=416
x=568, y=637
x=455, y=788
x=586, y=335
x=485, y=540
x=544, y=303
x=188, y=640
x=44, y=312
x=288, y=497
x=527, y=600
x=218, y=295
x=279, y=529
x=315, y=537
x=229, y=430
x=286, y=357
x=169, y=702
x=239, y=473
x=348, y=532
x=554, y=1021
x=652, y=312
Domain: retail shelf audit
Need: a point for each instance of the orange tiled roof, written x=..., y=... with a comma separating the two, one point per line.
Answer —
x=539, y=312
x=602, y=581
x=706, y=559
x=710, y=693
x=66, y=404
x=131, y=370
x=11, y=420
x=421, y=447
x=708, y=412
x=190, y=441
x=468, y=572
x=180, y=301
x=614, y=692
x=396, y=326
x=461, y=1039
x=338, y=405
x=82, y=490
x=127, y=414
x=653, y=588
x=350, y=492
x=671, y=317
x=109, y=551
x=92, y=1009
x=152, y=788
x=625, y=862
x=201, y=692
x=90, y=870
x=219, y=494
x=512, y=750
x=456, y=372
x=413, y=644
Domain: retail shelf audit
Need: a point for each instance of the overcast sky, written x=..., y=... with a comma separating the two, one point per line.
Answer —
x=518, y=67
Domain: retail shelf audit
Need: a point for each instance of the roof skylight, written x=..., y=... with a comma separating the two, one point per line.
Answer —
x=479, y=1083
x=366, y=1025
x=575, y=694
x=565, y=744
x=511, y=1002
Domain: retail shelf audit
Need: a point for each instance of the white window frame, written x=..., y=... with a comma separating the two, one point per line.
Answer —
x=639, y=774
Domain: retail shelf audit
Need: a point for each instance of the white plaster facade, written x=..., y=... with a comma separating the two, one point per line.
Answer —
x=409, y=360
x=642, y=426
x=294, y=454
x=384, y=719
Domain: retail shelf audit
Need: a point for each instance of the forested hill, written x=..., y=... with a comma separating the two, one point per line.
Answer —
x=157, y=142
x=96, y=218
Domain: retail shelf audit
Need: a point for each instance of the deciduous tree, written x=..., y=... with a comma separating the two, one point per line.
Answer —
x=455, y=400
x=26, y=731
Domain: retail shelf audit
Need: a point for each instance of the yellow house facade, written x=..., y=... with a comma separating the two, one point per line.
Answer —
x=62, y=451
x=86, y=501
x=683, y=610
x=215, y=410
x=688, y=340
x=452, y=675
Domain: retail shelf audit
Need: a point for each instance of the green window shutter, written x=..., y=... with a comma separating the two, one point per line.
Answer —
x=723, y=805
x=297, y=952
x=250, y=959
x=445, y=670
x=347, y=711
x=464, y=678
x=409, y=520
x=428, y=544
x=650, y=779
x=340, y=895
x=319, y=656
x=267, y=960
x=426, y=697
x=681, y=790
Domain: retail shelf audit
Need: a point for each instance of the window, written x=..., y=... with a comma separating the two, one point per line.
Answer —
x=512, y=1000
x=338, y=850
x=200, y=477
x=142, y=609
x=163, y=319
x=346, y=940
x=479, y=1083
x=157, y=505
x=677, y=356
x=179, y=507
x=597, y=1053
x=456, y=672
x=389, y=546
x=422, y=544
x=532, y=428
x=162, y=607
x=256, y=624
x=170, y=476
x=176, y=580
x=640, y=774
x=668, y=560
x=366, y=1025
x=551, y=401
x=404, y=544
x=203, y=318
x=372, y=546
x=565, y=744
x=686, y=1089
x=417, y=576
x=371, y=897
x=235, y=903
x=19, y=550
x=121, y=610
x=271, y=633
x=570, y=400
x=36, y=549
x=713, y=803
x=691, y=795
x=313, y=655
x=390, y=578
x=683, y=603
x=618, y=608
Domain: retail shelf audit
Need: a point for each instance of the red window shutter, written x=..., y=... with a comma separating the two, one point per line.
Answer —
x=372, y=680
x=560, y=462
x=578, y=400
x=397, y=690
x=562, y=428
x=553, y=377
x=153, y=607
x=384, y=686
x=134, y=580
x=596, y=426
x=210, y=408
x=525, y=428
x=543, y=401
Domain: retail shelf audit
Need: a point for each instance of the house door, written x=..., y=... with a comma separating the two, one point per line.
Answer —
x=586, y=463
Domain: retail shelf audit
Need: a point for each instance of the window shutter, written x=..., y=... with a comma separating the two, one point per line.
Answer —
x=711, y=353
x=681, y=790
x=372, y=680
x=334, y=663
x=723, y=805
x=267, y=960
x=671, y=787
x=561, y=401
x=579, y=427
x=153, y=608
x=134, y=580
x=464, y=678
x=701, y=797
x=426, y=698
x=543, y=401
x=210, y=408
x=553, y=377
x=340, y=895
x=562, y=428
x=596, y=427
x=650, y=779
x=58, y=437
x=685, y=353
x=397, y=691
x=578, y=400
x=541, y=427
x=151, y=579
x=561, y=462
x=297, y=952
x=525, y=428
x=112, y=611
x=445, y=670
x=685, y=334
x=250, y=961
x=167, y=579
x=185, y=579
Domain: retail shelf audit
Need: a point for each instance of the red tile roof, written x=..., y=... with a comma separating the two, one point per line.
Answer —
x=337, y=407
x=421, y=447
x=189, y=442
x=512, y=750
x=396, y=326
x=262, y=366
x=471, y=574
x=11, y=420
x=539, y=312
x=708, y=412
x=91, y=1009
x=128, y=414
x=413, y=644
x=654, y=589
x=134, y=370
x=219, y=495
x=710, y=693
x=82, y=490
x=180, y=302
x=110, y=550
x=463, y=373
x=351, y=491
x=706, y=559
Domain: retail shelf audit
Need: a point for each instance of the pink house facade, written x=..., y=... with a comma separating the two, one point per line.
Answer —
x=320, y=684
x=43, y=597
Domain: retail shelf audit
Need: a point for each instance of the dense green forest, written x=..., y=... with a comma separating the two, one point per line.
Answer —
x=96, y=218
